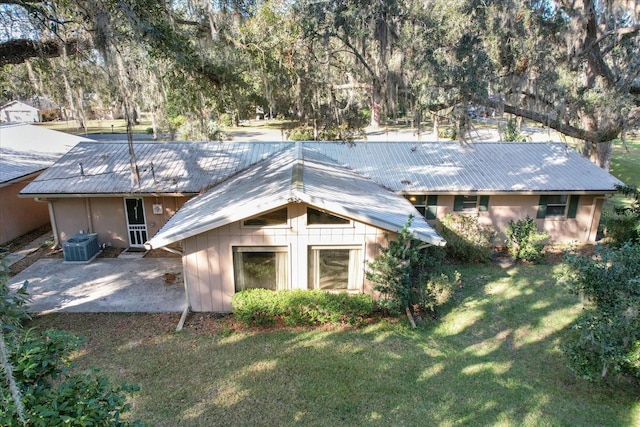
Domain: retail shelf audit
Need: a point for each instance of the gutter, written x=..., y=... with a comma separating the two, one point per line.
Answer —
x=77, y=195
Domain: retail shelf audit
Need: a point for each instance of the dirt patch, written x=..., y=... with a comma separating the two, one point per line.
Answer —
x=25, y=239
x=161, y=253
x=170, y=278
x=110, y=252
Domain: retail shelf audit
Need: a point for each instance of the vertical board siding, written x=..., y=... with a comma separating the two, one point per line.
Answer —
x=210, y=260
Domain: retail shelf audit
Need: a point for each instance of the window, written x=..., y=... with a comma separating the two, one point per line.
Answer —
x=426, y=205
x=558, y=206
x=260, y=267
x=267, y=219
x=317, y=217
x=470, y=203
x=334, y=268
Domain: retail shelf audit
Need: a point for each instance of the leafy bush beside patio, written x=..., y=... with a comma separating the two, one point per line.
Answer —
x=300, y=307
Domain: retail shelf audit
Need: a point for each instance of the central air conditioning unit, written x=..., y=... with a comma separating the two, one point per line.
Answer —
x=80, y=247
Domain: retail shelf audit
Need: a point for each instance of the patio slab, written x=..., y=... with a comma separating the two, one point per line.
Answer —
x=104, y=285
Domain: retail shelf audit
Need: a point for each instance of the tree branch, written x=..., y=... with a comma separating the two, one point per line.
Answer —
x=18, y=51
x=602, y=135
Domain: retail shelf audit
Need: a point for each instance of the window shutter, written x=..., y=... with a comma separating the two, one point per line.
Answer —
x=573, y=206
x=432, y=207
x=542, y=207
x=483, y=206
x=458, y=203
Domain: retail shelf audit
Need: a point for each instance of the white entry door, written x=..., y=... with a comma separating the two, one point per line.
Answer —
x=136, y=224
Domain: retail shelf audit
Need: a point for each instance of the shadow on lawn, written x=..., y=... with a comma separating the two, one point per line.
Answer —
x=493, y=358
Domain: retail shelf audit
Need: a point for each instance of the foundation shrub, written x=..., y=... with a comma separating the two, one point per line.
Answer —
x=300, y=307
x=467, y=240
x=524, y=241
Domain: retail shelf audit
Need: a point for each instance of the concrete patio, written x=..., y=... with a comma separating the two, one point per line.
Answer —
x=104, y=285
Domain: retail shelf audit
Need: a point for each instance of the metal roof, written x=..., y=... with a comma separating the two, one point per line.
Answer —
x=294, y=176
x=489, y=167
x=26, y=149
x=165, y=168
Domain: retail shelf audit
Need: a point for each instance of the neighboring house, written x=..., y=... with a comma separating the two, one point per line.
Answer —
x=36, y=109
x=25, y=151
x=19, y=112
x=309, y=215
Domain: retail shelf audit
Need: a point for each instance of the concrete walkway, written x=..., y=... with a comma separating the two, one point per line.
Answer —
x=104, y=285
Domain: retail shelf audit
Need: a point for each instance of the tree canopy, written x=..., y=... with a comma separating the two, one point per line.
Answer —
x=571, y=65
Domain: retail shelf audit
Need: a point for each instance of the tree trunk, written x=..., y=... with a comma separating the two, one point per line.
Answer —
x=376, y=104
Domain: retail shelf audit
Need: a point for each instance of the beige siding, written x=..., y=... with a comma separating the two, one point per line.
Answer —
x=503, y=208
x=19, y=215
x=209, y=256
x=106, y=216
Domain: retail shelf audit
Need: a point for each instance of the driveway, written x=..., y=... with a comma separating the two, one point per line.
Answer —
x=104, y=285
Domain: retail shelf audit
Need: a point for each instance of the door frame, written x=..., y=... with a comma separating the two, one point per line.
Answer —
x=140, y=231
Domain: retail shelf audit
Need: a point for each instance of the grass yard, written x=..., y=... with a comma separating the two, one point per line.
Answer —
x=96, y=126
x=494, y=358
x=625, y=161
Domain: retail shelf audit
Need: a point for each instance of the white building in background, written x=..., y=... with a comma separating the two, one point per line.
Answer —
x=19, y=112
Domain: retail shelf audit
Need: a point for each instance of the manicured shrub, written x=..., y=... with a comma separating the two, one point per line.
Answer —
x=524, y=241
x=300, y=307
x=467, y=240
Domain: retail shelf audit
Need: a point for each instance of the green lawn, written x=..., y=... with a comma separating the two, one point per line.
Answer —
x=96, y=126
x=494, y=358
x=625, y=162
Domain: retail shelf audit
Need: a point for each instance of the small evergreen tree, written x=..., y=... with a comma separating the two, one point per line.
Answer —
x=408, y=274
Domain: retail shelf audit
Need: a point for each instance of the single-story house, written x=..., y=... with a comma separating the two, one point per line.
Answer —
x=310, y=214
x=25, y=151
x=19, y=112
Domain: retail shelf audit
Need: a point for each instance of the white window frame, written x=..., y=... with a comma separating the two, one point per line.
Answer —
x=355, y=272
x=283, y=283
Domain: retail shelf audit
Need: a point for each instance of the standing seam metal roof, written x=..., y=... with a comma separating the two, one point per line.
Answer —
x=478, y=167
x=170, y=168
x=274, y=183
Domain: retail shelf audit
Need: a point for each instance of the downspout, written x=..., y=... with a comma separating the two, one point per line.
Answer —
x=52, y=219
x=87, y=204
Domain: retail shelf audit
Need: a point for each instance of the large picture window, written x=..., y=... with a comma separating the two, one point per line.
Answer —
x=334, y=268
x=260, y=267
